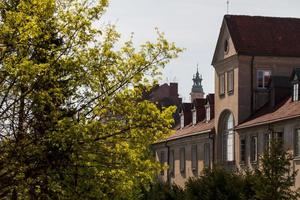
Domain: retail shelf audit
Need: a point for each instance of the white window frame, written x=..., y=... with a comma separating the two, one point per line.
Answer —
x=228, y=142
x=295, y=91
x=194, y=116
x=264, y=71
x=181, y=120
x=207, y=113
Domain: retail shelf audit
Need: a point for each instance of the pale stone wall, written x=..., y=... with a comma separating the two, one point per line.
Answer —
x=178, y=177
x=288, y=127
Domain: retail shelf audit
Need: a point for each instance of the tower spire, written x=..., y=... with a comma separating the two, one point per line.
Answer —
x=197, y=90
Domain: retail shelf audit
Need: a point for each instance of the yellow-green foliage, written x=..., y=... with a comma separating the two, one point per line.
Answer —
x=73, y=121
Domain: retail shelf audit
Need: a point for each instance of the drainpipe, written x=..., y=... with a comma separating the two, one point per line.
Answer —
x=168, y=162
x=212, y=138
x=251, y=92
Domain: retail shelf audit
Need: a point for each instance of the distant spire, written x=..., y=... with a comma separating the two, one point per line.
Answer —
x=197, y=79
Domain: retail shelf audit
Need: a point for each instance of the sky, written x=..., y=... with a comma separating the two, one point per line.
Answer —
x=191, y=24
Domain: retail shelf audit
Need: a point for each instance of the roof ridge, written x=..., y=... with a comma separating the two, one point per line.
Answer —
x=260, y=16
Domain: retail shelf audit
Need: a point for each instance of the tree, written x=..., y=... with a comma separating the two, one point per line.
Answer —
x=73, y=121
x=275, y=178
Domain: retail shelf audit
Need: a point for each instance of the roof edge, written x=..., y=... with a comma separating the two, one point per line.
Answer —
x=266, y=122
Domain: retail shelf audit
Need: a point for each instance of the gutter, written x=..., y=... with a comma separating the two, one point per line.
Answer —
x=212, y=137
x=176, y=138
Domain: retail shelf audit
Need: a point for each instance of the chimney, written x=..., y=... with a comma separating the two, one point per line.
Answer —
x=174, y=89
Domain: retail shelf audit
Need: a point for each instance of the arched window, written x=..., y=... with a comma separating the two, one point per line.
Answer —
x=228, y=137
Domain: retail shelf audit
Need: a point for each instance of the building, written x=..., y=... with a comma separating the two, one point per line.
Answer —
x=257, y=72
x=165, y=95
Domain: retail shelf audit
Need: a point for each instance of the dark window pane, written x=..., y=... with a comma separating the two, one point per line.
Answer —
x=182, y=160
x=162, y=160
x=260, y=79
x=297, y=142
x=172, y=163
x=206, y=154
x=230, y=81
x=243, y=150
x=253, y=149
x=194, y=158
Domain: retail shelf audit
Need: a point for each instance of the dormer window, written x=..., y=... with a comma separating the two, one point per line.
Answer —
x=194, y=116
x=182, y=120
x=207, y=113
x=295, y=91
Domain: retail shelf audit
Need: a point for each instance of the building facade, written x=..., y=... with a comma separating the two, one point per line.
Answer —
x=256, y=63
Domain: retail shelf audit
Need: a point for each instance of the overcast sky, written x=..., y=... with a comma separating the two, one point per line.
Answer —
x=192, y=24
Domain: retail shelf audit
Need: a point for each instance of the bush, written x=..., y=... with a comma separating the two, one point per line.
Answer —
x=163, y=191
x=215, y=184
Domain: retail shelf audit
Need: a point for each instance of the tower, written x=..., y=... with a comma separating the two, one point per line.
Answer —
x=197, y=90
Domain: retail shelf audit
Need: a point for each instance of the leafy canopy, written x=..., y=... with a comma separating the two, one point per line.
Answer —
x=73, y=121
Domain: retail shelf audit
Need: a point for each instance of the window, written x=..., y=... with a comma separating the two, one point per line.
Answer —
x=194, y=158
x=226, y=46
x=172, y=163
x=222, y=84
x=228, y=143
x=279, y=137
x=297, y=142
x=263, y=78
x=208, y=113
x=230, y=82
x=182, y=120
x=162, y=161
x=253, y=149
x=295, y=91
x=206, y=155
x=182, y=160
x=243, y=150
x=194, y=117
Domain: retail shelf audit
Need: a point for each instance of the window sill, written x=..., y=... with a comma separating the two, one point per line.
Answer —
x=230, y=93
x=243, y=163
x=297, y=158
x=253, y=162
x=222, y=96
x=229, y=162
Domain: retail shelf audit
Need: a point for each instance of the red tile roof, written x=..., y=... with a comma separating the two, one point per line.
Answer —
x=265, y=36
x=191, y=130
x=286, y=110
